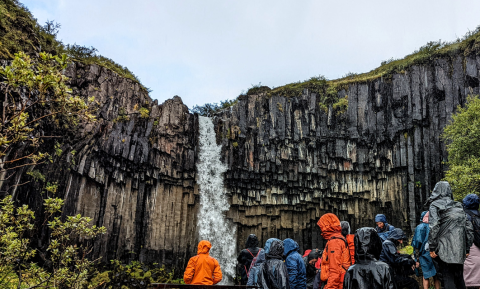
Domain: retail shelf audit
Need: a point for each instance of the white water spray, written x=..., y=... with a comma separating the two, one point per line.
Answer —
x=212, y=222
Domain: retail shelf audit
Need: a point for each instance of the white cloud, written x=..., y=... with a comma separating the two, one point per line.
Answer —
x=207, y=51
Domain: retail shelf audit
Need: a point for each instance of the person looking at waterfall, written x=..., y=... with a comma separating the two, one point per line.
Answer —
x=253, y=277
x=274, y=274
x=336, y=255
x=203, y=269
x=350, y=239
x=368, y=271
x=269, y=243
x=383, y=228
x=295, y=266
x=246, y=256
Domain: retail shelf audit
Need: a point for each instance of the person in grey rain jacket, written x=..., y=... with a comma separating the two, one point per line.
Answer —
x=451, y=235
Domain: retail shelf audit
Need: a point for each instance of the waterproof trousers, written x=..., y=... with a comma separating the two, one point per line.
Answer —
x=452, y=275
x=405, y=282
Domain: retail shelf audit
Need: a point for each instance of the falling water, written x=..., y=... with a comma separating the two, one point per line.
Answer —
x=212, y=222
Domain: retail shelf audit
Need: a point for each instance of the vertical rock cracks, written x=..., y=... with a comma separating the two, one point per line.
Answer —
x=288, y=161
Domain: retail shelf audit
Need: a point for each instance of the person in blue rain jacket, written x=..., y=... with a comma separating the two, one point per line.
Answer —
x=297, y=274
x=402, y=265
x=422, y=254
x=383, y=228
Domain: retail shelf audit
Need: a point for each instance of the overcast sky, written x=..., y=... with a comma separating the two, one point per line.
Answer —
x=211, y=50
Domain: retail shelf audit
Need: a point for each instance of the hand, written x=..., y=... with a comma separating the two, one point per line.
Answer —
x=413, y=267
x=433, y=255
x=467, y=255
x=417, y=265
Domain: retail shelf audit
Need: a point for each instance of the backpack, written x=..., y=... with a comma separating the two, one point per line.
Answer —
x=251, y=264
x=345, y=259
x=254, y=260
x=476, y=227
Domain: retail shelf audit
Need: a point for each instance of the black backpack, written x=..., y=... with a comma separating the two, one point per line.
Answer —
x=476, y=227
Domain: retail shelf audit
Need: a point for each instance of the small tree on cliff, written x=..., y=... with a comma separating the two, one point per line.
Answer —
x=462, y=135
x=36, y=103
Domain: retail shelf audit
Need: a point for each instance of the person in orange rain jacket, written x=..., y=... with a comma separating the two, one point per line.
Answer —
x=336, y=255
x=203, y=269
x=350, y=239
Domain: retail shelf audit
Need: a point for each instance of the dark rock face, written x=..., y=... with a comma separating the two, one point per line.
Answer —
x=290, y=162
x=135, y=177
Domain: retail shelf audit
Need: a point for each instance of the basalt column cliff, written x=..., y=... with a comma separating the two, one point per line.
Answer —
x=288, y=160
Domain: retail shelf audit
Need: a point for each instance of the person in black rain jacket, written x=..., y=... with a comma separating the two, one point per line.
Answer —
x=368, y=272
x=274, y=274
x=402, y=265
x=246, y=256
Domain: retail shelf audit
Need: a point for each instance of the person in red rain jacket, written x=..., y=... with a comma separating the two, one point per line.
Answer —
x=336, y=255
x=350, y=237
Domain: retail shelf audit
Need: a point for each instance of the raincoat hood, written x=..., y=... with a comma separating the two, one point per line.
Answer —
x=252, y=241
x=312, y=255
x=204, y=247
x=268, y=244
x=471, y=202
x=381, y=218
x=330, y=225
x=289, y=245
x=276, y=250
x=368, y=245
x=397, y=234
x=423, y=216
x=442, y=190
x=345, y=228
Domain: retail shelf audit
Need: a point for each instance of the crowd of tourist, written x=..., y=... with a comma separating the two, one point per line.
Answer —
x=446, y=247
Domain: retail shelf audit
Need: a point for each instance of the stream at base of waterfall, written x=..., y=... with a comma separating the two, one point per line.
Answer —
x=212, y=222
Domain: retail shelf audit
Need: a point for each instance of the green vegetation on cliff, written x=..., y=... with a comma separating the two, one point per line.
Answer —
x=19, y=31
x=462, y=136
x=328, y=90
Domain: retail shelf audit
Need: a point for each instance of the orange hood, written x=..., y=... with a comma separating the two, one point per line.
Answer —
x=330, y=225
x=204, y=247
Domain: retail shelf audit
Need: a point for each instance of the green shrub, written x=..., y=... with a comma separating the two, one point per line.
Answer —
x=144, y=112
x=462, y=136
x=133, y=275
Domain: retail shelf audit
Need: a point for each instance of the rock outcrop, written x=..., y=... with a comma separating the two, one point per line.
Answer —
x=289, y=161
x=133, y=175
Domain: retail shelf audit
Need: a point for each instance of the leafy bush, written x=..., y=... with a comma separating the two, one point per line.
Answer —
x=133, y=275
x=462, y=136
x=65, y=262
x=144, y=112
x=210, y=109
x=36, y=97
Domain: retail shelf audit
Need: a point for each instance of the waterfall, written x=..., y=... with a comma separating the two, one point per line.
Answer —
x=212, y=223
